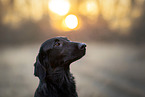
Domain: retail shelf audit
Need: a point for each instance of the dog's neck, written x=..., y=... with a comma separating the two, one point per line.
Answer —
x=59, y=80
x=59, y=75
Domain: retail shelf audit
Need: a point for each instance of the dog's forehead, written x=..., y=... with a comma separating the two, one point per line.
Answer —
x=61, y=38
x=48, y=44
x=52, y=40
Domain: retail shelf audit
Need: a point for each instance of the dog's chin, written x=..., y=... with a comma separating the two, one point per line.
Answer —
x=74, y=58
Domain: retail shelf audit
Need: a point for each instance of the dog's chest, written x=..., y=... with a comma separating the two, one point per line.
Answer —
x=67, y=90
x=65, y=87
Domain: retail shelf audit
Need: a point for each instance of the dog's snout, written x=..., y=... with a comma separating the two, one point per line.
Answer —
x=81, y=46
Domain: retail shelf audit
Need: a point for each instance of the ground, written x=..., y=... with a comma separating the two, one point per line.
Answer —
x=107, y=70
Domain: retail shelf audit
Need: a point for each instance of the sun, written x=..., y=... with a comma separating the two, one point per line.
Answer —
x=71, y=21
x=60, y=7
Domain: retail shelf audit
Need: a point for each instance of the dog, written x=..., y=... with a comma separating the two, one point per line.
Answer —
x=52, y=67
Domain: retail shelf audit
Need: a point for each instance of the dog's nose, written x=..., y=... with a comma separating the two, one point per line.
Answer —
x=82, y=46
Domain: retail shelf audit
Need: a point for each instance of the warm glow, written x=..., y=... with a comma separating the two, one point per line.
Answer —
x=117, y=14
x=89, y=8
x=60, y=7
x=71, y=21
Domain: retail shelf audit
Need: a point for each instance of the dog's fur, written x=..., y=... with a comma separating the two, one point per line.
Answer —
x=52, y=67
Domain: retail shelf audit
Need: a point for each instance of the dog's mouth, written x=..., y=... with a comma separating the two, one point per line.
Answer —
x=75, y=57
x=82, y=53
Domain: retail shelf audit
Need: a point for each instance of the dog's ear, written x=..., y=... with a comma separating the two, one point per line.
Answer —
x=40, y=70
x=42, y=60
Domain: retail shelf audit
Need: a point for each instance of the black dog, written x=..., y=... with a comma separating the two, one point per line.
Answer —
x=52, y=67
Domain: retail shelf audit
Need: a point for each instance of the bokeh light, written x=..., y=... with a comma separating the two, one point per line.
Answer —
x=60, y=7
x=71, y=21
x=89, y=9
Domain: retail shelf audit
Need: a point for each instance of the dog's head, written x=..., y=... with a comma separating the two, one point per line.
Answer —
x=57, y=52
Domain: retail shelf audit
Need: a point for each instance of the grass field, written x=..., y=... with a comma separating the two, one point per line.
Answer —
x=107, y=70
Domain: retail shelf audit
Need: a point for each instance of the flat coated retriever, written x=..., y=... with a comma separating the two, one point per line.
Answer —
x=52, y=67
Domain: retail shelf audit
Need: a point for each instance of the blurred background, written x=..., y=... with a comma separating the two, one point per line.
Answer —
x=114, y=31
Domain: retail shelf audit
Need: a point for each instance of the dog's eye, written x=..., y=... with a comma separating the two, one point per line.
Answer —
x=57, y=44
